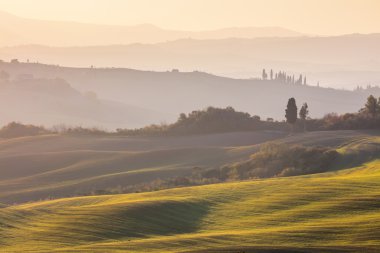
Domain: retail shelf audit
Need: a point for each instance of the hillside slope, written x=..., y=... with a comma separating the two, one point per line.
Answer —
x=52, y=166
x=54, y=102
x=330, y=212
x=182, y=92
x=39, y=167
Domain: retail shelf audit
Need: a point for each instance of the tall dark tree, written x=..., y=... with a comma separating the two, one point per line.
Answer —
x=304, y=81
x=299, y=81
x=291, y=112
x=264, y=75
x=372, y=105
x=271, y=74
x=304, y=112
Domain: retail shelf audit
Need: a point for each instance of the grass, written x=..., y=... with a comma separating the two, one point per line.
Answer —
x=335, y=211
x=59, y=166
x=52, y=166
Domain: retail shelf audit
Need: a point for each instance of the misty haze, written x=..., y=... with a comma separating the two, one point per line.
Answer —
x=189, y=126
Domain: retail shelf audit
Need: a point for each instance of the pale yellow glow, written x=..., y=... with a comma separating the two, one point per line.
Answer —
x=308, y=16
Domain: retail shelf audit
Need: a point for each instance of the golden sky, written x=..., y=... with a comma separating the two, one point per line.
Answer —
x=323, y=17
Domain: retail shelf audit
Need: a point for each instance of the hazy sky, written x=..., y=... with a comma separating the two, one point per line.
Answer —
x=308, y=16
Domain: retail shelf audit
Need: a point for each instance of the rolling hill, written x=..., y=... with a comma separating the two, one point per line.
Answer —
x=337, y=61
x=72, y=165
x=53, y=166
x=53, y=102
x=328, y=212
x=238, y=52
x=172, y=93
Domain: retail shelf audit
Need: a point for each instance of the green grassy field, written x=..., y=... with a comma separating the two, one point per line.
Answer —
x=329, y=212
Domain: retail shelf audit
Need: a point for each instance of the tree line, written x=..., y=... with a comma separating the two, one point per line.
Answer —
x=220, y=120
x=283, y=77
x=217, y=120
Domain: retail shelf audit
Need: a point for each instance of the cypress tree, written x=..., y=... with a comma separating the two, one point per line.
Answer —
x=291, y=112
x=304, y=112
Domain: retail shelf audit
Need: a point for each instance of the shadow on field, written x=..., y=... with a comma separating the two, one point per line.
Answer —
x=287, y=250
x=152, y=218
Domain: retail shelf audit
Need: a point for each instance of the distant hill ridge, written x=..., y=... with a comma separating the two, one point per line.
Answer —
x=21, y=31
x=53, y=101
x=175, y=92
x=336, y=61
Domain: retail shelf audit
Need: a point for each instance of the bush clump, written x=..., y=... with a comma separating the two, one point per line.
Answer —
x=275, y=159
x=14, y=129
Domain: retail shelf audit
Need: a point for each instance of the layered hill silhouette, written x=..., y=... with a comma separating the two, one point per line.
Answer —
x=19, y=31
x=338, y=61
x=176, y=92
x=51, y=102
x=239, y=52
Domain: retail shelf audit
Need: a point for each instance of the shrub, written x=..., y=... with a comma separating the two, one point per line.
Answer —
x=15, y=129
x=278, y=160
